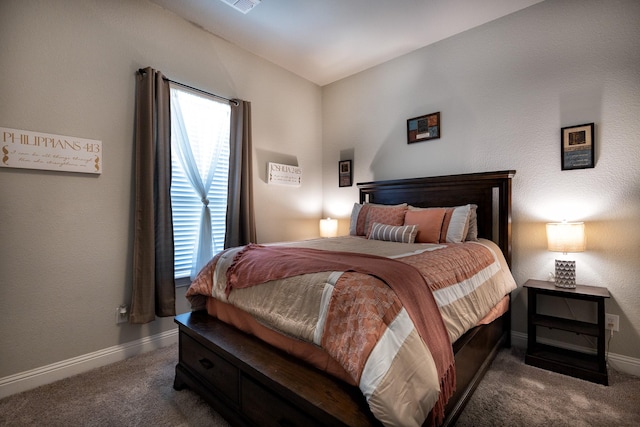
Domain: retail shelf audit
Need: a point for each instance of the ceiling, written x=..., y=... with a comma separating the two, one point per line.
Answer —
x=327, y=40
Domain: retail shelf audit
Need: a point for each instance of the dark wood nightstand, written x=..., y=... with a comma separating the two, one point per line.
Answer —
x=577, y=364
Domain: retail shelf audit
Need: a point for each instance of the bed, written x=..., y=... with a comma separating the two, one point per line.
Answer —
x=251, y=382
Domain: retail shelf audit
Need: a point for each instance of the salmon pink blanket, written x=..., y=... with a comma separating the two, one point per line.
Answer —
x=256, y=264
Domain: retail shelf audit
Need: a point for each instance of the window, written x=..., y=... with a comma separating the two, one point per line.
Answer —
x=200, y=169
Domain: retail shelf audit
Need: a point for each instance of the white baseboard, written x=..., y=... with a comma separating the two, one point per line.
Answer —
x=619, y=362
x=56, y=371
x=33, y=378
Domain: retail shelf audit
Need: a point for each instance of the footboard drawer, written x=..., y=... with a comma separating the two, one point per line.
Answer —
x=210, y=367
x=263, y=408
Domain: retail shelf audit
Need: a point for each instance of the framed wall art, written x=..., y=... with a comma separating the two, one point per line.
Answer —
x=423, y=128
x=577, y=147
x=345, y=174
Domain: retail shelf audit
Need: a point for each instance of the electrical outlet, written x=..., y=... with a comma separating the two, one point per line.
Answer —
x=122, y=314
x=612, y=321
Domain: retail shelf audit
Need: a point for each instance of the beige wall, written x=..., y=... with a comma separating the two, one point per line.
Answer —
x=504, y=91
x=67, y=68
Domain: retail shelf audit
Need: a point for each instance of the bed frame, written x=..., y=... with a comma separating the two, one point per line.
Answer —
x=252, y=383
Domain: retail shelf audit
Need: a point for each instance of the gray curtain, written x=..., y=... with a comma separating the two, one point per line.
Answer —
x=153, y=269
x=240, y=222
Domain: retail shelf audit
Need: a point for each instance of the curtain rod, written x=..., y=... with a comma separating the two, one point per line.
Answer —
x=233, y=101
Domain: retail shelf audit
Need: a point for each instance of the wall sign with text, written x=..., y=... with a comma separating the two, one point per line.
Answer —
x=284, y=174
x=35, y=150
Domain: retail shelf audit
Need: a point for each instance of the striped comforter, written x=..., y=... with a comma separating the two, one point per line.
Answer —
x=362, y=323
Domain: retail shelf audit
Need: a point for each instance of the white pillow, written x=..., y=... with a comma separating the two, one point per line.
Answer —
x=459, y=224
x=354, y=218
x=472, y=234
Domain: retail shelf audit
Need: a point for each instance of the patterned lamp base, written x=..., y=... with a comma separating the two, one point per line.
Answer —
x=565, y=274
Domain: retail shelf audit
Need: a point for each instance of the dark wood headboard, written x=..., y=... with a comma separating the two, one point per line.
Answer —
x=491, y=191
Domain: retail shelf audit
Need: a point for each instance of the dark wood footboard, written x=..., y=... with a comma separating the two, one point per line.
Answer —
x=251, y=383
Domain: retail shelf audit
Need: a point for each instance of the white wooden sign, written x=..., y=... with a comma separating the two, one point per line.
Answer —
x=34, y=150
x=284, y=174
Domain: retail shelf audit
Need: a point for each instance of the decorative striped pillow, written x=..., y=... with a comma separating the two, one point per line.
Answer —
x=393, y=233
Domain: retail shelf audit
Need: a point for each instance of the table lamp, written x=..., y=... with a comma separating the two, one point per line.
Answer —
x=566, y=237
x=328, y=227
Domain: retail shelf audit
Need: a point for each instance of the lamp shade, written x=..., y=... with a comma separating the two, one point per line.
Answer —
x=566, y=237
x=328, y=227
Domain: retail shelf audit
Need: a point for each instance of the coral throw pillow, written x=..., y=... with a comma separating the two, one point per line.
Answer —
x=429, y=222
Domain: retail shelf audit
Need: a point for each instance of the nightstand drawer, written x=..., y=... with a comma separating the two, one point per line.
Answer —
x=265, y=409
x=210, y=367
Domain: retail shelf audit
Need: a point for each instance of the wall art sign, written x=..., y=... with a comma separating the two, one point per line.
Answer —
x=284, y=174
x=423, y=128
x=345, y=174
x=36, y=150
x=577, y=147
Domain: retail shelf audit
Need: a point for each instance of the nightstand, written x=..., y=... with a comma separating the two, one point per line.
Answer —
x=576, y=364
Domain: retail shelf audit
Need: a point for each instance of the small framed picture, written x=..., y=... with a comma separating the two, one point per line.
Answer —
x=577, y=147
x=345, y=176
x=423, y=128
